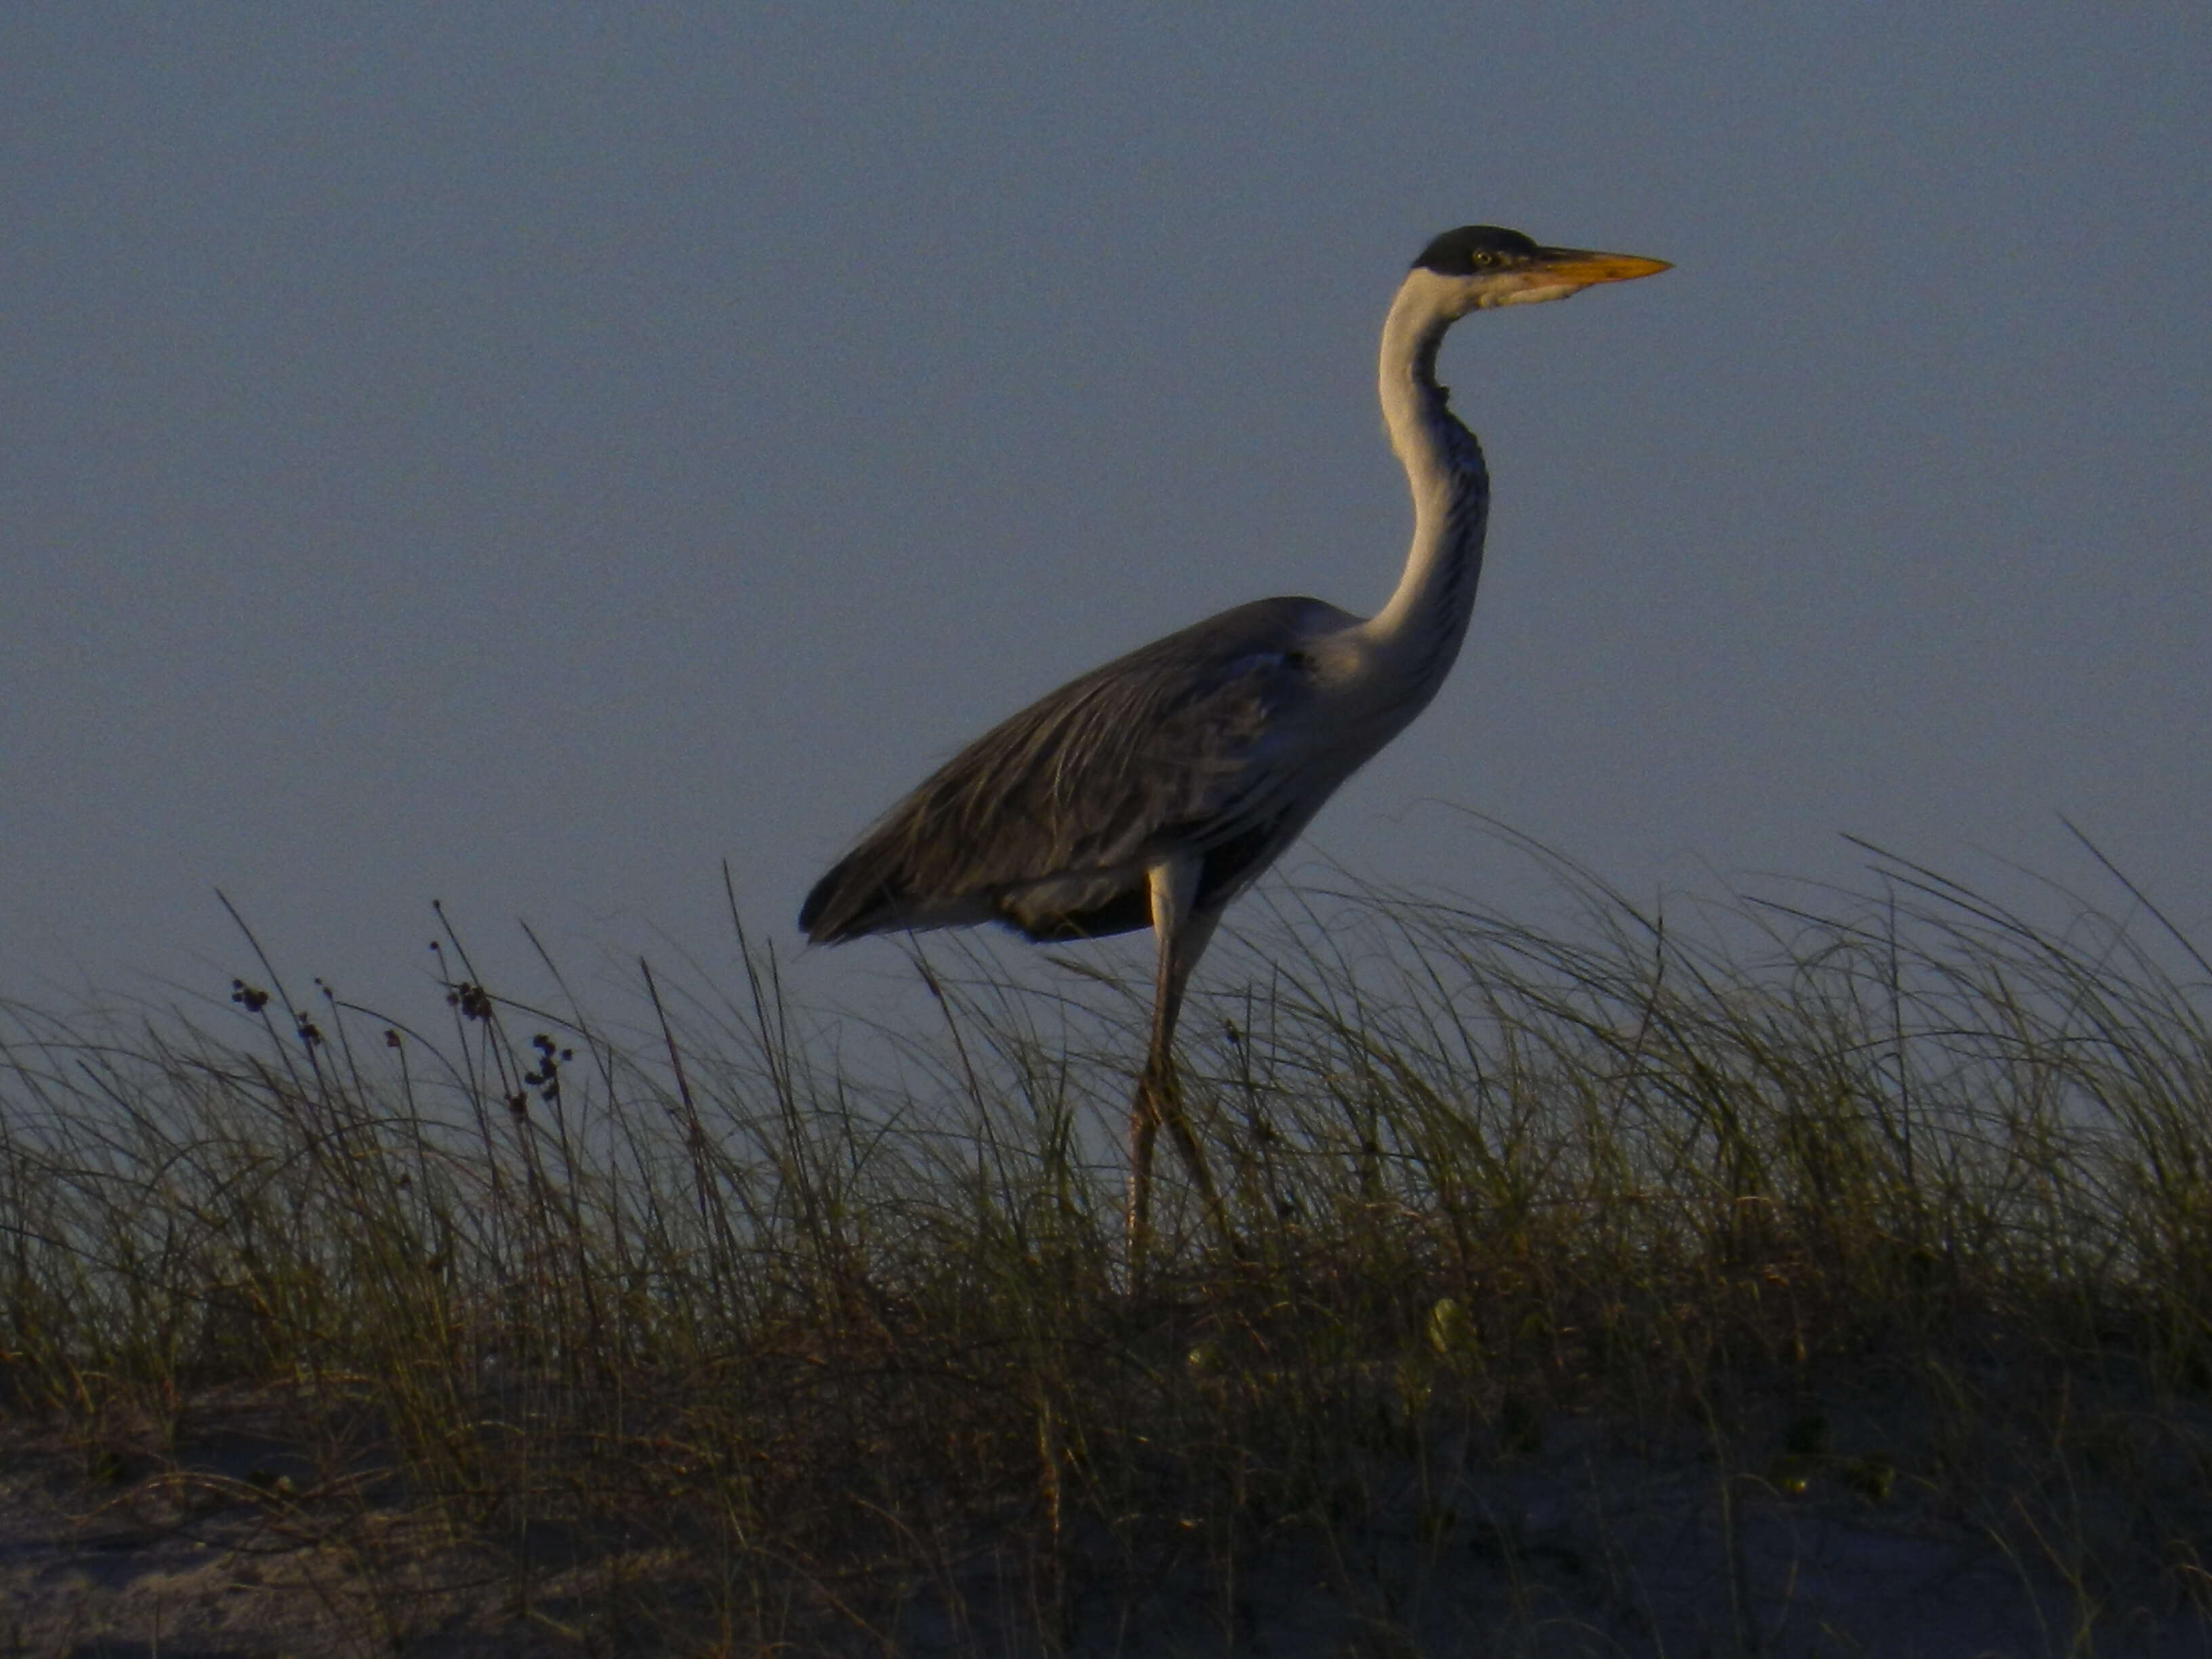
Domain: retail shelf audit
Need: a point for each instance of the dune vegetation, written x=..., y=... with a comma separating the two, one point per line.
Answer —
x=1788, y=1274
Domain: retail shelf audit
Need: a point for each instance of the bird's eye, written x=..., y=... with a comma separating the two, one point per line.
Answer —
x=1484, y=256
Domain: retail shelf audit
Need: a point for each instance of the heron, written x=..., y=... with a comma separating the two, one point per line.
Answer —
x=1153, y=791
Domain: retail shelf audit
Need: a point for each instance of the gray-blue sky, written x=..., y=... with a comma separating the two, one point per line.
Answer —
x=527, y=455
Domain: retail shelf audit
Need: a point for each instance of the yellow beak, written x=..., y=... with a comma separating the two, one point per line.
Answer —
x=1574, y=265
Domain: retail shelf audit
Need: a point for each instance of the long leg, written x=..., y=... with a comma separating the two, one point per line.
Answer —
x=1182, y=937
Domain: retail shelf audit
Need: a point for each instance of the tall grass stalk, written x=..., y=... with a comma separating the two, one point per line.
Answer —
x=682, y=1319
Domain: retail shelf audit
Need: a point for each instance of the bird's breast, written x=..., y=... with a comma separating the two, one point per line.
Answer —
x=1353, y=700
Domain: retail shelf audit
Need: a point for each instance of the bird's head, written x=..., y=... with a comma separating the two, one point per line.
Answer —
x=1481, y=266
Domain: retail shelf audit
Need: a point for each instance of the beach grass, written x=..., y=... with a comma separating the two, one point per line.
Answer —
x=1568, y=1268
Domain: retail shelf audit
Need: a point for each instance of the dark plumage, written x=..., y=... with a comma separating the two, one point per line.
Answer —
x=1050, y=821
x=1470, y=248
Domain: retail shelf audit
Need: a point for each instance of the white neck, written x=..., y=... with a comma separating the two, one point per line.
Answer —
x=1419, y=632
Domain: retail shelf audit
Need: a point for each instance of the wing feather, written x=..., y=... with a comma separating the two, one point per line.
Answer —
x=1049, y=820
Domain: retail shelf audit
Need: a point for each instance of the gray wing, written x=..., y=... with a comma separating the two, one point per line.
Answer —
x=1049, y=821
